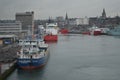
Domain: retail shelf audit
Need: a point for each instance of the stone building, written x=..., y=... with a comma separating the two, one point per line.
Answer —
x=26, y=18
x=104, y=21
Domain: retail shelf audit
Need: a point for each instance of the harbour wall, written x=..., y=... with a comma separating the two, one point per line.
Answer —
x=6, y=70
x=8, y=60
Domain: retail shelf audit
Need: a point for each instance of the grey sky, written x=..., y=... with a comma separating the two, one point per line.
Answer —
x=45, y=8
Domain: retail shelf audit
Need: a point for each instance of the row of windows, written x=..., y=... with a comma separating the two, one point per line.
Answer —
x=7, y=24
x=10, y=28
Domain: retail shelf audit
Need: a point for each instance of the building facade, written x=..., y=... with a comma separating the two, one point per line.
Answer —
x=104, y=21
x=26, y=18
x=61, y=21
x=10, y=27
x=82, y=21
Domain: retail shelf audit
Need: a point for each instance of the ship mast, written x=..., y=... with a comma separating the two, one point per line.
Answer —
x=33, y=26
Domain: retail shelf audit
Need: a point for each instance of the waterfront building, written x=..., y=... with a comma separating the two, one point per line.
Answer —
x=82, y=21
x=10, y=27
x=72, y=21
x=7, y=39
x=60, y=20
x=103, y=21
x=79, y=21
x=26, y=18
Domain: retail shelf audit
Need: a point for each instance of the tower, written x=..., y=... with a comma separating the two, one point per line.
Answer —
x=66, y=17
x=66, y=20
x=103, y=14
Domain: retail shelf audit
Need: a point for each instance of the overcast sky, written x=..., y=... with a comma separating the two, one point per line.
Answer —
x=45, y=8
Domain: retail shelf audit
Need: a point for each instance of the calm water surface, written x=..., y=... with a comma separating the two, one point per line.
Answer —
x=78, y=57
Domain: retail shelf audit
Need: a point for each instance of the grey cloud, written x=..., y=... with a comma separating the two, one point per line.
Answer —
x=46, y=8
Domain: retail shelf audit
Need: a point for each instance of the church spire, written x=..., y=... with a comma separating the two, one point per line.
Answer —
x=104, y=14
x=66, y=17
x=66, y=21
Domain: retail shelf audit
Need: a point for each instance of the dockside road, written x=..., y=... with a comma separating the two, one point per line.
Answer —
x=8, y=53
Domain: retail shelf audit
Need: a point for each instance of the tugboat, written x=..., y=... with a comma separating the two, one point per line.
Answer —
x=51, y=32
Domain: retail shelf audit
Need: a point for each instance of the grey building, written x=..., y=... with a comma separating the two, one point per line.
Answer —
x=26, y=18
x=10, y=27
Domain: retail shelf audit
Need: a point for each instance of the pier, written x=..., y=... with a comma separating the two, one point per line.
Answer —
x=7, y=59
x=6, y=69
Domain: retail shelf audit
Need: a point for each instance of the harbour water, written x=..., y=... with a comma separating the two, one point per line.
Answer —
x=78, y=57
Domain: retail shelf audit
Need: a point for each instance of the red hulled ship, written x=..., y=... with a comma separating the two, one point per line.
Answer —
x=51, y=32
x=95, y=31
x=64, y=31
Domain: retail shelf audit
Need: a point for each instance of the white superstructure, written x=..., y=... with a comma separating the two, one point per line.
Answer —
x=52, y=28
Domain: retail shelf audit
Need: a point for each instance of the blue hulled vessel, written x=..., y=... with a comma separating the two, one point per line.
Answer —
x=115, y=31
x=33, y=54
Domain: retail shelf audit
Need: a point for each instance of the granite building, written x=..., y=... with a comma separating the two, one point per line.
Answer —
x=10, y=27
x=104, y=21
x=26, y=18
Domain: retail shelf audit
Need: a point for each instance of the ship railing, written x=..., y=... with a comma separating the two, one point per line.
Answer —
x=42, y=54
x=43, y=45
x=24, y=56
x=34, y=56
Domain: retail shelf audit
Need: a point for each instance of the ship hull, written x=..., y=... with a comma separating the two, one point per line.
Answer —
x=31, y=63
x=64, y=31
x=86, y=33
x=97, y=33
x=50, y=38
x=113, y=33
x=28, y=64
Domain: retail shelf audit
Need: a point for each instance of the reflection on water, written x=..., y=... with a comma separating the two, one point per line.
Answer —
x=29, y=74
x=117, y=37
x=78, y=57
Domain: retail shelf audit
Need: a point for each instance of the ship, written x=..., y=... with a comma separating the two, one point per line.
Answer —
x=104, y=31
x=64, y=31
x=115, y=31
x=51, y=32
x=95, y=31
x=32, y=55
x=34, y=52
